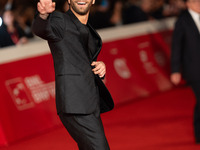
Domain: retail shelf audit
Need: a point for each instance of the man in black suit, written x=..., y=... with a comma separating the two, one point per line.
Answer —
x=80, y=93
x=185, y=56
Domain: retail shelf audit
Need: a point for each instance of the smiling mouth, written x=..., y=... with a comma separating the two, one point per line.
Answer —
x=81, y=3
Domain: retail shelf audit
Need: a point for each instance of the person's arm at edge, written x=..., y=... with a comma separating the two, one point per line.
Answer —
x=44, y=28
x=176, y=49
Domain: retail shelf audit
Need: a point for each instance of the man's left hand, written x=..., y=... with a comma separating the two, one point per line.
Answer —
x=99, y=68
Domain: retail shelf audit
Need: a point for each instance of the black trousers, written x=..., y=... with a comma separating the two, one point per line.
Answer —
x=86, y=130
x=196, y=89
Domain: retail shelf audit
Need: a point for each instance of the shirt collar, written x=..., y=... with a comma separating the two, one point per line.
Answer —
x=194, y=13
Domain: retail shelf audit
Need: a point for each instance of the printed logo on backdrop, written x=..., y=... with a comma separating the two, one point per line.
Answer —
x=19, y=93
x=29, y=91
x=121, y=68
x=147, y=64
x=120, y=65
x=160, y=58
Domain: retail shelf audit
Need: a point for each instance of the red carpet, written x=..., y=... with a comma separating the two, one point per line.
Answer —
x=161, y=122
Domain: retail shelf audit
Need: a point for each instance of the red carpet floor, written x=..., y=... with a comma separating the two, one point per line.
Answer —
x=161, y=122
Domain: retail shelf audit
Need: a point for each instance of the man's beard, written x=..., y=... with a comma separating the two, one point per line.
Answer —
x=81, y=11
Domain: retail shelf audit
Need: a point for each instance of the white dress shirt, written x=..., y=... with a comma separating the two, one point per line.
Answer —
x=196, y=18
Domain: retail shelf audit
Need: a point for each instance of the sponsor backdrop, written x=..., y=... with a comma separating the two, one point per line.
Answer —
x=137, y=66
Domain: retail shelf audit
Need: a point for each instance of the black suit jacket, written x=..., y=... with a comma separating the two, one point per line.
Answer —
x=78, y=90
x=185, y=56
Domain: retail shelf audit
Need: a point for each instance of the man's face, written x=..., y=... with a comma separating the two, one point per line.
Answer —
x=81, y=7
x=194, y=5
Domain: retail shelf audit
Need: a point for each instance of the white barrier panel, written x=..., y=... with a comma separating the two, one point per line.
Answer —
x=38, y=47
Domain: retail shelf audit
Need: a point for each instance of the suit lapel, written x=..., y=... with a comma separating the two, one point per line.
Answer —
x=83, y=33
x=84, y=37
x=191, y=23
x=98, y=43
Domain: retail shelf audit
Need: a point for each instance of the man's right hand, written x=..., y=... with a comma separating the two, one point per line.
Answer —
x=176, y=78
x=45, y=7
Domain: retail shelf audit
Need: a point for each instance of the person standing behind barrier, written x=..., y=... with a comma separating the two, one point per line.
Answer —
x=132, y=13
x=80, y=93
x=185, y=56
x=10, y=32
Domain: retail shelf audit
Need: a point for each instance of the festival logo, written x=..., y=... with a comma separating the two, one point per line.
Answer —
x=28, y=92
x=19, y=94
